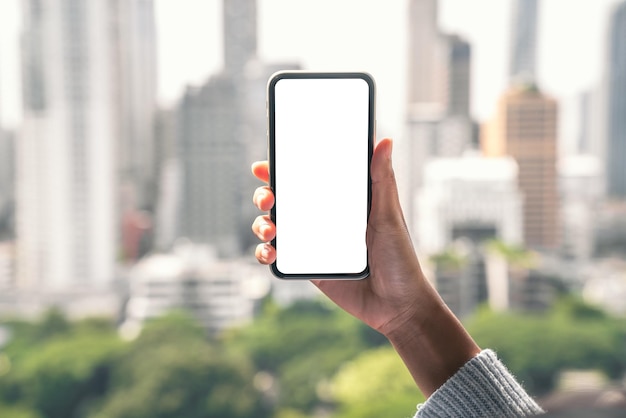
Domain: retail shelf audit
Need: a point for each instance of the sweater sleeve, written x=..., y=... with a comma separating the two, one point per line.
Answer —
x=483, y=387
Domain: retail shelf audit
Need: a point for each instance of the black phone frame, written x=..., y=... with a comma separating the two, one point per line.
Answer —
x=271, y=118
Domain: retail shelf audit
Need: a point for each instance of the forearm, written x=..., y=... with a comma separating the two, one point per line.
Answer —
x=432, y=342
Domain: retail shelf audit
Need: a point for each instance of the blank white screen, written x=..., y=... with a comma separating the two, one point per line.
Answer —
x=321, y=175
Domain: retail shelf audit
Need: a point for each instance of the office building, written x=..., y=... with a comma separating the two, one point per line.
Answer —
x=517, y=283
x=460, y=277
x=134, y=72
x=85, y=152
x=219, y=294
x=458, y=92
x=221, y=129
x=616, y=84
x=580, y=179
x=523, y=45
x=438, y=120
x=66, y=173
x=7, y=184
x=469, y=197
x=425, y=63
x=212, y=154
x=524, y=128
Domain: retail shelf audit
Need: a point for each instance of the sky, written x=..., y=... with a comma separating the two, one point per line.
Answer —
x=365, y=35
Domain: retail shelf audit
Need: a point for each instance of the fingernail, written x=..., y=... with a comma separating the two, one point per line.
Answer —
x=264, y=229
x=265, y=252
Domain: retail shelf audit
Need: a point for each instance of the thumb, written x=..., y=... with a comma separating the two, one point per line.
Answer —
x=385, y=201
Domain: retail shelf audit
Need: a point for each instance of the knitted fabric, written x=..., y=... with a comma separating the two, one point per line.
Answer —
x=483, y=387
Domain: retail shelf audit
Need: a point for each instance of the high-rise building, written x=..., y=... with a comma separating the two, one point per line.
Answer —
x=7, y=184
x=438, y=104
x=134, y=72
x=524, y=128
x=425, y=84
x=212, y=153
x=88, y=76
x=214, y=135
x=616, y=132
x=240, y=35
x=523, y=46
x=459, y=58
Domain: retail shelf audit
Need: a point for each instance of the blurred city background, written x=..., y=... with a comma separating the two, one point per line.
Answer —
x=128, y=284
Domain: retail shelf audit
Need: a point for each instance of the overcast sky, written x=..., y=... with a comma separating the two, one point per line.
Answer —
x=367, y=35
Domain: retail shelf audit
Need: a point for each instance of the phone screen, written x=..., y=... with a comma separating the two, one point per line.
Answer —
x=321, y=139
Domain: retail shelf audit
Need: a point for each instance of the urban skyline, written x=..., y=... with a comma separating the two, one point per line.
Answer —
x=212, y=132
x=488, y=34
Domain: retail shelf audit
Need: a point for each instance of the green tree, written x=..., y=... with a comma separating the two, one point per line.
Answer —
x=537, y=347
x=56, y=367
x=171, y=370
x=303, y=346
x=375, y=384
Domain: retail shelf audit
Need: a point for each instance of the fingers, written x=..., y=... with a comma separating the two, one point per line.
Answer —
x=261, y=170
x=263, y=198
x=264, y=228
x=265, y=253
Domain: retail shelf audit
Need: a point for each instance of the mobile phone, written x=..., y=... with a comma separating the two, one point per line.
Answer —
x=321, y=135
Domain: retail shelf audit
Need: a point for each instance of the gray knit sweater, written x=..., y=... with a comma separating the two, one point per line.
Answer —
x=483, y=387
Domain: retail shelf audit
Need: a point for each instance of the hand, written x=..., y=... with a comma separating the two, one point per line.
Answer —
x=395, y=283
x=395, y=299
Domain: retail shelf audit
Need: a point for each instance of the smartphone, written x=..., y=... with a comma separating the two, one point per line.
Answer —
x=321, y=138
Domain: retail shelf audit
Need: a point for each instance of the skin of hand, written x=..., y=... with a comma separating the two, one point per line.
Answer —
x=396, y=299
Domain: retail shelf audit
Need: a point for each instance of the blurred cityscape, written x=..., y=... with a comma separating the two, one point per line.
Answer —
x=116, y=207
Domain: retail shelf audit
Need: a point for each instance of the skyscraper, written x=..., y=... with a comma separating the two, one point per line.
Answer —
x=425, y=84
x=523, y=46
x=212, y=128
x=212, y=154
x=66, y=172
x=438, y=101
x=524, y=128
x=616, y=132
x=134, y=72
x=240, y=35
x=88, y=74
x=458, y=91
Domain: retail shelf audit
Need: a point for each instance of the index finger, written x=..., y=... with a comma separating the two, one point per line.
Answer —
x=261, y=170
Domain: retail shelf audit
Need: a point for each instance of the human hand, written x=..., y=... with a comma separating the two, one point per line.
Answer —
x=395, y=299
x=396, y=284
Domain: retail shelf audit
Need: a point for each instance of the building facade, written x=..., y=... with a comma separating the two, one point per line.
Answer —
x=616, y=132
x=524, y=128
x=88, y=76
x=523, y=47
x=470, y=197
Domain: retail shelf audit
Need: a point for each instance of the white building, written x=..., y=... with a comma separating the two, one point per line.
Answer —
x=580, y=180
x=472, y=197
x=217, y=293
x=77, y=67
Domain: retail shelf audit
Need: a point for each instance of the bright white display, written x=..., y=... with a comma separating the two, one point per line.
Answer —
x=321, y=170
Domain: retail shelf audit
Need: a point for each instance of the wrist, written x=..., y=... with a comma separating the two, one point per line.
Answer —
x=431, y=341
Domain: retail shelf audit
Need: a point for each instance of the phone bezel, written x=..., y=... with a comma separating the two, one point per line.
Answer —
x=271, y=116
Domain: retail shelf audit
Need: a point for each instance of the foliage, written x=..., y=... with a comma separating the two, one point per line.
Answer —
x=303, y=346
x=538, y=347
x=516, y=255
x=57, y=368
x=172, y=370
x=289, y=363
x=375, y=384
